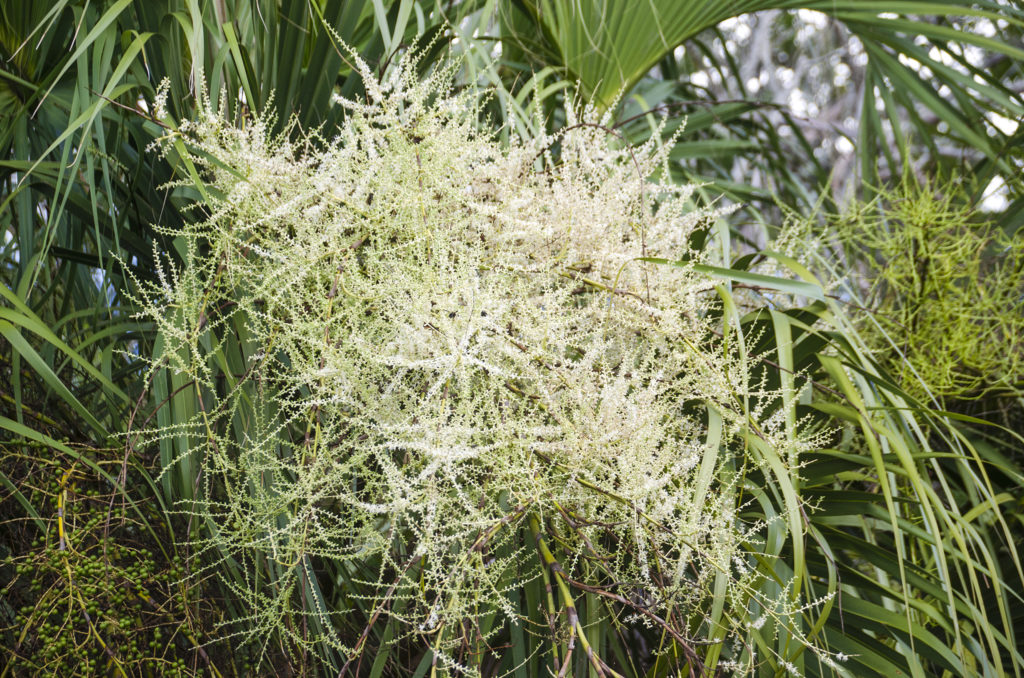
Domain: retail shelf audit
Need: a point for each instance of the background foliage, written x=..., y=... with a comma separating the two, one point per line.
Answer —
x=918, y=500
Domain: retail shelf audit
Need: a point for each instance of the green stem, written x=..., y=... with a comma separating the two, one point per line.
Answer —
x=558, y=574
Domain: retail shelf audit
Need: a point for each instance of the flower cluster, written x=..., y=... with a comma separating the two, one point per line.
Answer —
x=414, y=346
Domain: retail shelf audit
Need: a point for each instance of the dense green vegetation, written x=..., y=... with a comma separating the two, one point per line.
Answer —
x=436, y=338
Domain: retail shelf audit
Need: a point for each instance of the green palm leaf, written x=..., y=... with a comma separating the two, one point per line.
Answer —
x=609, y=46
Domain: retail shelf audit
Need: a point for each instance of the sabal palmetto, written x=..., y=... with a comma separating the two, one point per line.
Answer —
x=911, y=540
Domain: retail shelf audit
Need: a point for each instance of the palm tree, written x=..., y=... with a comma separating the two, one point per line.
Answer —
x=912, y=543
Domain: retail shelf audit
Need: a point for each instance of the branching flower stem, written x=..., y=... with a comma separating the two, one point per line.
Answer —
x=437, y=324
x=552, y=565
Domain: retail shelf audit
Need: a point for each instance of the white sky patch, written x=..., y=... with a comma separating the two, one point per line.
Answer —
x=1004, y=125
x=700, y=79
x=909, y=62
x=798, y=103
x=986, y=28
x=842, y=75
x=975, y=55
x=813, y=18
x=946, y=59
x=879, y=102
x=844, y=146
x=995, y=197
x=811, y=23
x=738, y=26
